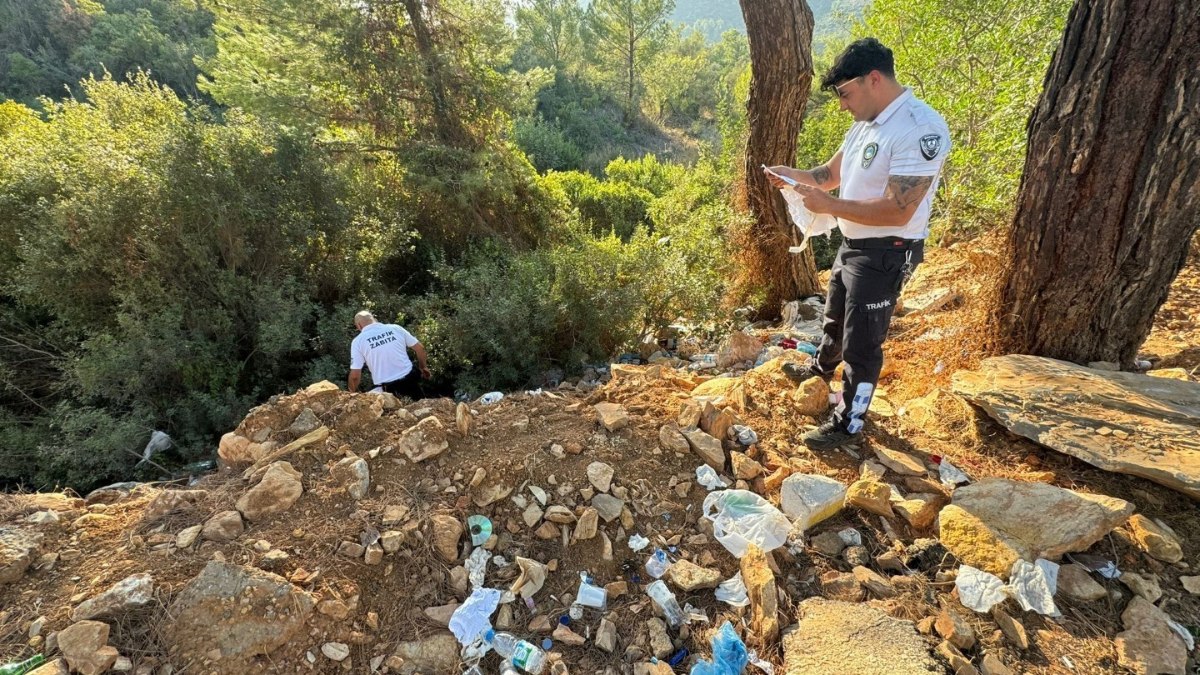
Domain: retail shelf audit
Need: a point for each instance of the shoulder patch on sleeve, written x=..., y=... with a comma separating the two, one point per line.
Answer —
x=931, y=145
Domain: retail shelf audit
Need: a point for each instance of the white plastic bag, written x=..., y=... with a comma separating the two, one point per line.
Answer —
x=810, y=224
x=741, y=518
x=707, y=476
x=732, y=591
x=473, y=617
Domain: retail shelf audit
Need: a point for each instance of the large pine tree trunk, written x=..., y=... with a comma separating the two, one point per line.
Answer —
x=780, y=35
x=1111, y=191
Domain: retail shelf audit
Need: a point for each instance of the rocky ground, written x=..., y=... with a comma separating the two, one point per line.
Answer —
x=335, y=537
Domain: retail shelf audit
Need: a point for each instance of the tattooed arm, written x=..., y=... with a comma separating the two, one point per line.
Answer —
x=896, y=207
x=827, y=176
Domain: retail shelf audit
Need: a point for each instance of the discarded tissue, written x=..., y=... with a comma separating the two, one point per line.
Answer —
x=707, y=476
x=1032, y=585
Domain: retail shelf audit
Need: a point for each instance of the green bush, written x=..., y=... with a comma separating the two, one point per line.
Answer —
x=547, y=147
x=603, y=206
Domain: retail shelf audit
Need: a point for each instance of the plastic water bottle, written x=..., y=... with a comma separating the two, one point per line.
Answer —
x=17, y=668
x=657, y=563
x=517, y=652
x=666, y=602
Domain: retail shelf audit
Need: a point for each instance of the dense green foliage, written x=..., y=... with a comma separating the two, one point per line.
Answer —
x=191, y=234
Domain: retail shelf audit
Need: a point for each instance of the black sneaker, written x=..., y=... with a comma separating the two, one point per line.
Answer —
x=829, y=436
x=800, y=374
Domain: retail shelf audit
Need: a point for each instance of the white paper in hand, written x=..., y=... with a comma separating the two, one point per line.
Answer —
x=810, y=224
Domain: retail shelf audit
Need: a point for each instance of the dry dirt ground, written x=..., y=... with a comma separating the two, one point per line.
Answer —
x=514, y=442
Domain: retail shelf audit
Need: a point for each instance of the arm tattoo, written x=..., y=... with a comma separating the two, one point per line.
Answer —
x=907, y=190
x=821, y=175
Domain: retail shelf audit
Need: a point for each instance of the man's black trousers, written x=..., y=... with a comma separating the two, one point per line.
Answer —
x=864, y=284
x=409, y=385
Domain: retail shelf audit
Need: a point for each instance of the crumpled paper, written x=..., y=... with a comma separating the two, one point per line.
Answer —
x=1032, y=585
x=531, y=579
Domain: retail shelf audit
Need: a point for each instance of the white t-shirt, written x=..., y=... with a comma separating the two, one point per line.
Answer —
x=908, y=138
x=383, y=347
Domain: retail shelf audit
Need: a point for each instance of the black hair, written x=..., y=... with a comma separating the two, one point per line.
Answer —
x=858, y=59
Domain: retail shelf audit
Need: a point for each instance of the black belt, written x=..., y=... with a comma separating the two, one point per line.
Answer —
x=891, y=243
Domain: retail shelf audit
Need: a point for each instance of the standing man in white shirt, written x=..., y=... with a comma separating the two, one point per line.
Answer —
x=383, y=348
x=886, y=173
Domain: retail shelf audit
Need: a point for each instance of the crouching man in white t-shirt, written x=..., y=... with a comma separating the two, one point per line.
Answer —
x=383, y=348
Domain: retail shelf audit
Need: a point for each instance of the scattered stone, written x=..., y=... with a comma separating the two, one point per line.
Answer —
x=689, y=415
x=707, y=448
x=1076, y=583
x=744, y=468
x=811, y=398
x=660, y=642
x=953, y=627
x=959, y=664
x=608, y=507
x=546, y=530
x=926, y=554
x=446, y=533
x=1157, y=541
x=305, y=422
x=761, y=590
x=441, y=614
x=491, y=495
x=463, y=419
x=167, y=502
x=188, y=536
x=738, y=347
x=837, y=585
x=992, y=523
x=532, y=515
x=889, y=561
x=437, y=653
x=871, y=496
x=844, y=637
x=920, y=510
x=856, y=556
x=270, y=612
x=809, y=499
x=85, y=647
x=828, y=544
x=224, y=526
x=606, y=636
x=613, y=416
x=567, y=636
x=351, y=549
x=55, y=667
x=1012, y=629
x=373, y=554
x=334, y=609
x=129, y=593
x=424, y=440
x=354, y=474
x=1191, y=584
x=540, y=624
x=600, y=475
x=672, y=440
x=873, y=582
x=1143, y=585
x=870, y=470
x=18, y=548
x=278, y=490
x=900, y=462
x=691, y=577
x=992, y=665
x=1149, y=645
x=336, y=651
x=588, y=523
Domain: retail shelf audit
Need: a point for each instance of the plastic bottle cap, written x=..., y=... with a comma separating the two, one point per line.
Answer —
x=489, y=635
x=547, y=644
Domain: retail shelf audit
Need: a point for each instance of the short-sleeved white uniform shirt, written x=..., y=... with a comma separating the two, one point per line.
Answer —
x=908, y=138
x=383, y=347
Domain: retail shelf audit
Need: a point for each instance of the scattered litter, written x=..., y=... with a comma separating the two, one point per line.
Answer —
x=732, y=591
x=657, y=564
x=707, y=476
x=729, y=655
x=745, y=435
x=1183, y=633
x=939, y=367
x=678, y=657
x=499, y=561
x=547, y=643
x=491, y=397
x=532, y=577
x=741, y=518
x=473, y=618
x=637, y=542
x=1094, y=563
x=476, y=565
x=534, y=392
x=480, y=528
x=666, y=602
x=1067, y=662
x=807, y=348
x=590, y=595
x=950, y=474
x=850, y=537
x=762, y=665
x=1032, y=585
x=694, y=614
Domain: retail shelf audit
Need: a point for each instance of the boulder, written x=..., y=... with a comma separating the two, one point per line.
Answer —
x=738, y=347
x=229, y=614
x=129, y=593
x=809, y=499
x=992, y=523
x=18, y=549
x=354, y=475
x=235, y=449
x=278, y=490
x=845, y=637
x=1064, y=406
x=689, y=576
x=707, y=448
x=85, y=647
x=1149, y=645
x=424, y=440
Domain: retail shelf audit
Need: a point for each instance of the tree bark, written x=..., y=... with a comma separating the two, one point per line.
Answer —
x=1110, y=196
x=780, y=36
x=447, y=122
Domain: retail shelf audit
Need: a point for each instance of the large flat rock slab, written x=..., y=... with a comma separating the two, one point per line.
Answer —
x=847, y=637
x=1121, y=422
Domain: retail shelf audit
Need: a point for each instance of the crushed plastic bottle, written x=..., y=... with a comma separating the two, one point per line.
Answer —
x=21, y=667
x=517, y=652
x=667, y=604
x=657, y=564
